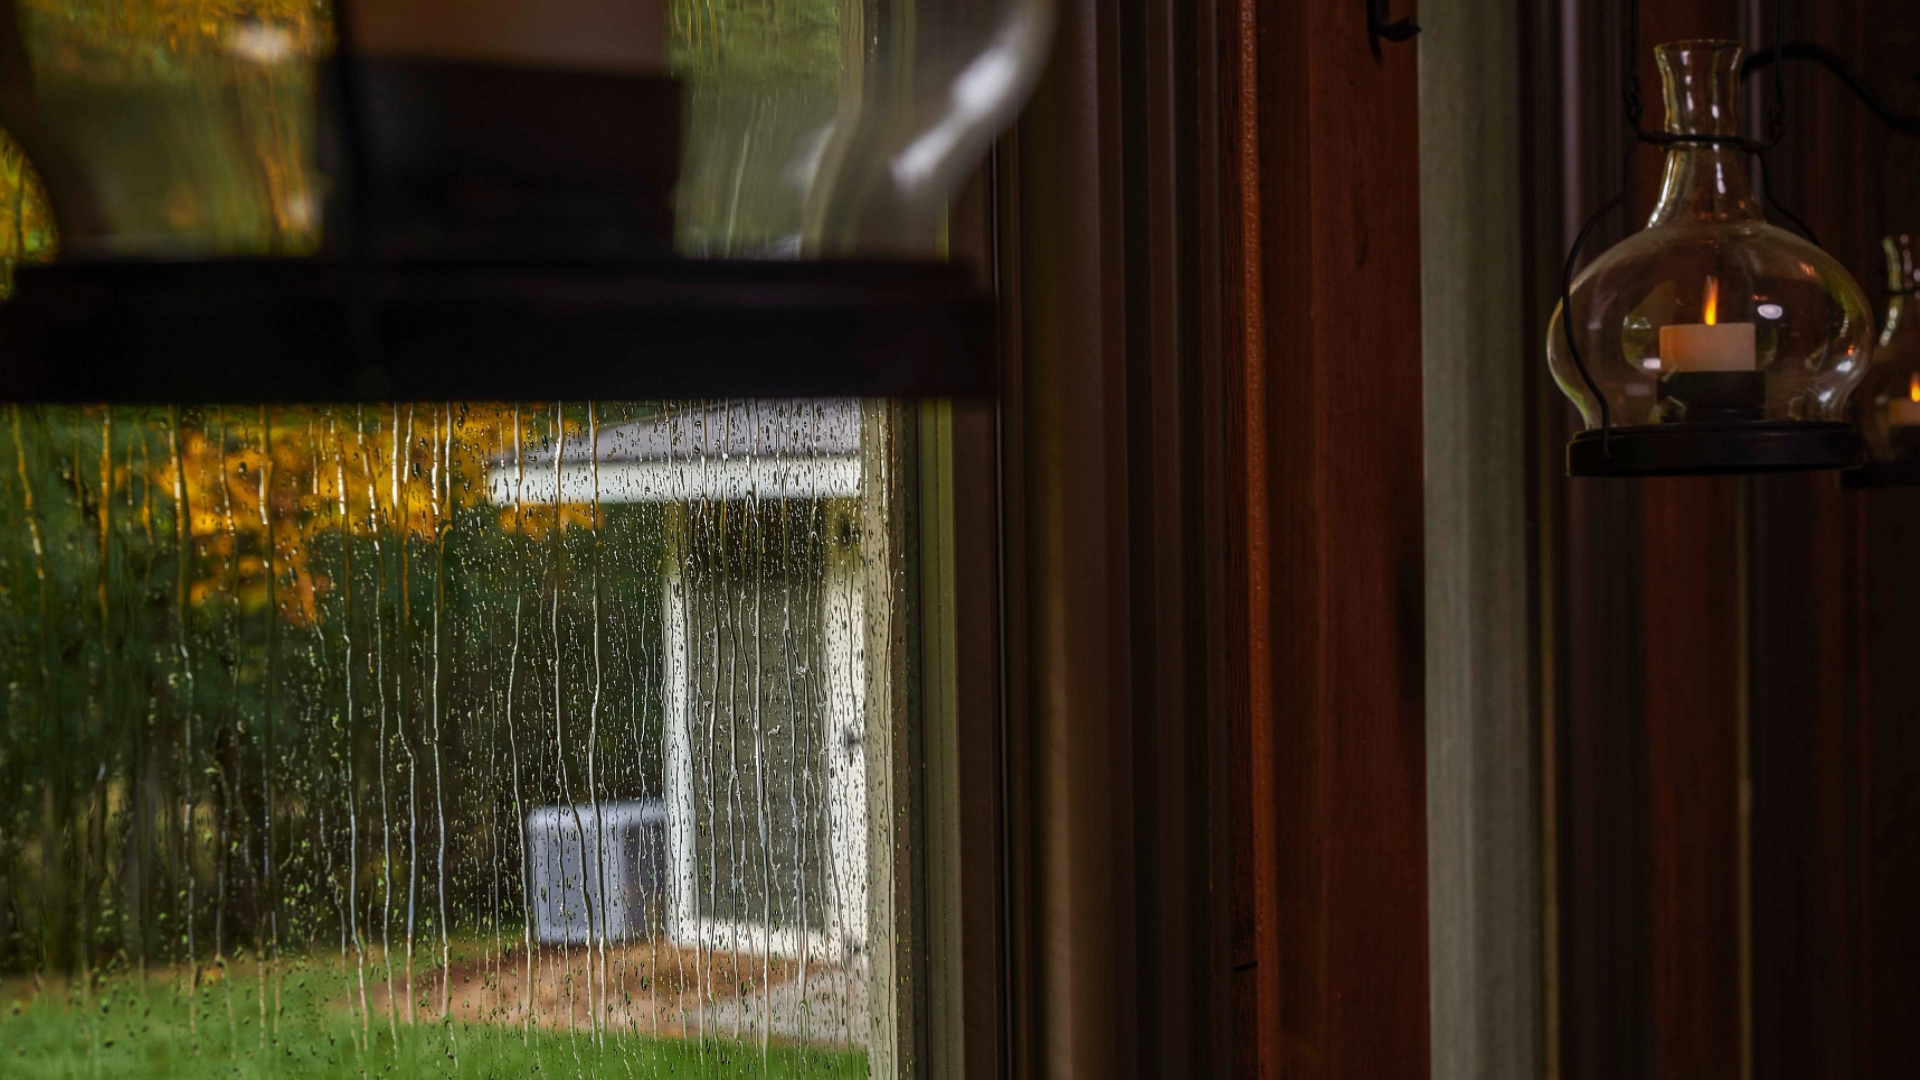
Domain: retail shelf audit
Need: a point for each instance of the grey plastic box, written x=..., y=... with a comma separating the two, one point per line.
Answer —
x=582, y=890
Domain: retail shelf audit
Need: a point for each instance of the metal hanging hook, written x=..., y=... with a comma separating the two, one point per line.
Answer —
x=1379, y=27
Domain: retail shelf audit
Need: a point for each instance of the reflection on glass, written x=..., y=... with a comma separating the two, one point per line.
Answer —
x=451, y=740
x=819, y=127
x=835, y=127
x=185, y=127
x=27, y=233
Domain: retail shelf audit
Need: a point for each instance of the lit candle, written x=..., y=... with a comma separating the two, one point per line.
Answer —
x=1905, y=412
x=1710, y=345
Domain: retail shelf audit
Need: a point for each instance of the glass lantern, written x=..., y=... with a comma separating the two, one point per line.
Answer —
x=1719, y=343
x=168, y=129
x=941, y=80
x=1889, y=405
x=570, y=128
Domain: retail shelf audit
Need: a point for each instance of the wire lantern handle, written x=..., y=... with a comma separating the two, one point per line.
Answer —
x=1838, y=67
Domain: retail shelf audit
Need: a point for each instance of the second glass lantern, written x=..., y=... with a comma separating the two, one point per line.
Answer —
x=1719, y=343
x=1889, y=405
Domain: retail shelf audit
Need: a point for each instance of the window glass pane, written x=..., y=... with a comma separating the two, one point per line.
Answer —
x=464, y=740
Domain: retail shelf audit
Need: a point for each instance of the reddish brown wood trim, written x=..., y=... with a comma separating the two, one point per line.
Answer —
x=1337, y=739
x=1254, y=813
x=1214, y=226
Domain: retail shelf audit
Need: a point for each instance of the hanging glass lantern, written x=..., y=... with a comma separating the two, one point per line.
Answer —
x=410, y=197
x=168, y=129
x=1710, y=341
x=548, y=128
x=940, y=80
x=1889, y=402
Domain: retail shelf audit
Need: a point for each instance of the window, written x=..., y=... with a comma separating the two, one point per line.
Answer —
x=467, y=739
x=455, y=738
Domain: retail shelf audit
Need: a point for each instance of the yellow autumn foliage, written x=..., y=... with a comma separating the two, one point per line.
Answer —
x=259, y=486
x=27, y=233
x=146, y=34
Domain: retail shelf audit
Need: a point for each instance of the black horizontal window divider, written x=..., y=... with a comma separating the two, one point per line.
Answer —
x=285, y=330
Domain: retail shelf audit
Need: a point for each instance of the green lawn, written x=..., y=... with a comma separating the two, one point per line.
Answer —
x=150, y=1036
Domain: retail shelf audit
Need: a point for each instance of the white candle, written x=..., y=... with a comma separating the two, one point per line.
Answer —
x=1905, y=412
x=1710, y=345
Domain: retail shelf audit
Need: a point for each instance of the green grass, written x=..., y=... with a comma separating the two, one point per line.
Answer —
x=148, y=1035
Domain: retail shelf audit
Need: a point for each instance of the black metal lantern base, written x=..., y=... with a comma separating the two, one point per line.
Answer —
x=1900, y=472
x=1716, y=449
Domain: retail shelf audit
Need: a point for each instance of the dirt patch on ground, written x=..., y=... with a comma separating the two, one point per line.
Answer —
x=655, y=989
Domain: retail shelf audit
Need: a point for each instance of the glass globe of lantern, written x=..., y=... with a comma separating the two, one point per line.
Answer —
x=1719, y=342
x=771, y=127
x=1889, y=399
x=944, y=78
x=163, y=130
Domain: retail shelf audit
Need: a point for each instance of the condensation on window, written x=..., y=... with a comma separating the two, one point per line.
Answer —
x=447, y=740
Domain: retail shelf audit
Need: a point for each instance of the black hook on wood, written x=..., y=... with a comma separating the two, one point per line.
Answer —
x=1378, y=27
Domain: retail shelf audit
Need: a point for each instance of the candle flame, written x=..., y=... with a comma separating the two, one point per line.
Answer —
x=1713, y=303
x=1913, y=386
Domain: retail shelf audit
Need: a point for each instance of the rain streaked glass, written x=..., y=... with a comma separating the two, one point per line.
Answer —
x=446, y=740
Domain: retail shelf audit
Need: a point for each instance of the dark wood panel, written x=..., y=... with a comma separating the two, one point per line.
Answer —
x=1594, y=697
x=1648, y=785
x=1644, y=594
x=1815, y=938
x=1804, y=761
x=1604, y=903
x=1693, y=715
x=1871, y=184
x=1889, y=631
